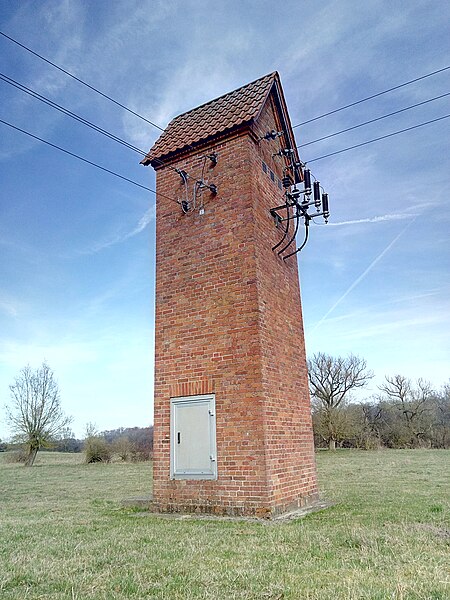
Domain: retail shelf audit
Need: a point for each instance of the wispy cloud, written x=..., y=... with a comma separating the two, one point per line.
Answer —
x=385, y=307
x=63, y=353
x=146, y=218
x=9, y=307
x=143, y=222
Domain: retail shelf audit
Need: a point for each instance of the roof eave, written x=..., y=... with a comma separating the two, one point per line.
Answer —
x=287, y=125
x=157, y=162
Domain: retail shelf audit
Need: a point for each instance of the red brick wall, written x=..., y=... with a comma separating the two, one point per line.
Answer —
x=228, y=321
x=289, y=438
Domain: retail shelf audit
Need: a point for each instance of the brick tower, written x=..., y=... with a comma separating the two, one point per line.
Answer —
x=232, y=423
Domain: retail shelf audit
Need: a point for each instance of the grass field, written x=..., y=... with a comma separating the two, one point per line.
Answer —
x=63, y=534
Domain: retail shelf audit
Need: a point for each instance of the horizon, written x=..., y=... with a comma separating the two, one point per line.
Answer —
x=78, y=256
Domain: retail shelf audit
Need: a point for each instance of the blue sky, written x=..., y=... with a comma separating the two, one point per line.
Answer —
x=77, y=245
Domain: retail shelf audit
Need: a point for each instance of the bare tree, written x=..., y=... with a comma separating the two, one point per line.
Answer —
x=34, y=413
x=413, y=402
x=331, y=379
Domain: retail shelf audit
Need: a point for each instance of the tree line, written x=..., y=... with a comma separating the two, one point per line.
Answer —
x=403, y=414
x=134, y=444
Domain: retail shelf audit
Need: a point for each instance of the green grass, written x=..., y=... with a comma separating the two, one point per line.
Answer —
x=63, y=534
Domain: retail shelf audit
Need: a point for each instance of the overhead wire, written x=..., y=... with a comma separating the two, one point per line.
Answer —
x=91, y=87
x=396, y=112
x=85, y=160
x=80, y=119
x=68, y=112
x=391, y=89
x=112, y=136
x=130, y=146
x=119, y=140
x=383, y=137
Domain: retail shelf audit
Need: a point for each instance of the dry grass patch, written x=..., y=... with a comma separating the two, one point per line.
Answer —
x=64, y=535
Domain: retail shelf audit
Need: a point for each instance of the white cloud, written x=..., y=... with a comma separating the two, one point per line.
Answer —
x=9, y=306
x=60, y=354
x=143, y=222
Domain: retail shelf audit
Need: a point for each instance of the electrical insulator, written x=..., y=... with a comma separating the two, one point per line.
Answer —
x=316, y=188
x=325, y=203
x=307, y=179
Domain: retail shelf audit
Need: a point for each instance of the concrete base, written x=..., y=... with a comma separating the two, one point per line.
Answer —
x=146, y=504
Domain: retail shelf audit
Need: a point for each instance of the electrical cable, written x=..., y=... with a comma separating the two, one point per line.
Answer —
x=396, y=112
x=383, y=137
x=294, y=235
x=80, y=119
x=298, y=124
x=300, y=248
x=91, y=87
x=198, y=187
x=89, y=162
x=396, y=87
x=286, y=229
x=68, y=113
x=288, y=210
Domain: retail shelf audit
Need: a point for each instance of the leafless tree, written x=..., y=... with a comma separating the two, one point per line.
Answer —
x=442, y=417
x=34, y=413
x=413, y=402
x=331, y=379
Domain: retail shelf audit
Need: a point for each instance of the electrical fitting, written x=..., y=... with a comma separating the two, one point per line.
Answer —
x=182, y=174
x=213, y=158
x=296, y=211
x=272, y=135
x=210, y=186
x=284, y=152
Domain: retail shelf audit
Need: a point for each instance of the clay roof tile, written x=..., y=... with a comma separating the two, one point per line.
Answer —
x=214, y=117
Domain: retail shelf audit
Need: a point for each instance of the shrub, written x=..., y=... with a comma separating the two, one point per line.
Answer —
x=141, y=443
x=97, y=449
x=16, y=456
x=140, y=455
x=122, y=447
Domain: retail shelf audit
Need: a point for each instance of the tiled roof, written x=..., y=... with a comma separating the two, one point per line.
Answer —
x=219, y=115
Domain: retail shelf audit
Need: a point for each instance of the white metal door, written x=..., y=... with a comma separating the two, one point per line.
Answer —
x=193, y=438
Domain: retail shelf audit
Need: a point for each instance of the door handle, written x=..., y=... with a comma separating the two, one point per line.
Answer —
x=179, y=437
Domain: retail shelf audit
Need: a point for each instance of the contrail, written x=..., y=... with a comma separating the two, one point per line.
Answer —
x=379, y=219
x=363, y=275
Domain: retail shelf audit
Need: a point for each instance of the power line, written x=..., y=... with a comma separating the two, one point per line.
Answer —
x=115, y=138
x=81, y=119
x=68, y=113
x=91, y=87
x=383, y=137
x=396, y=112
x=89, y=162
x=396, y=87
